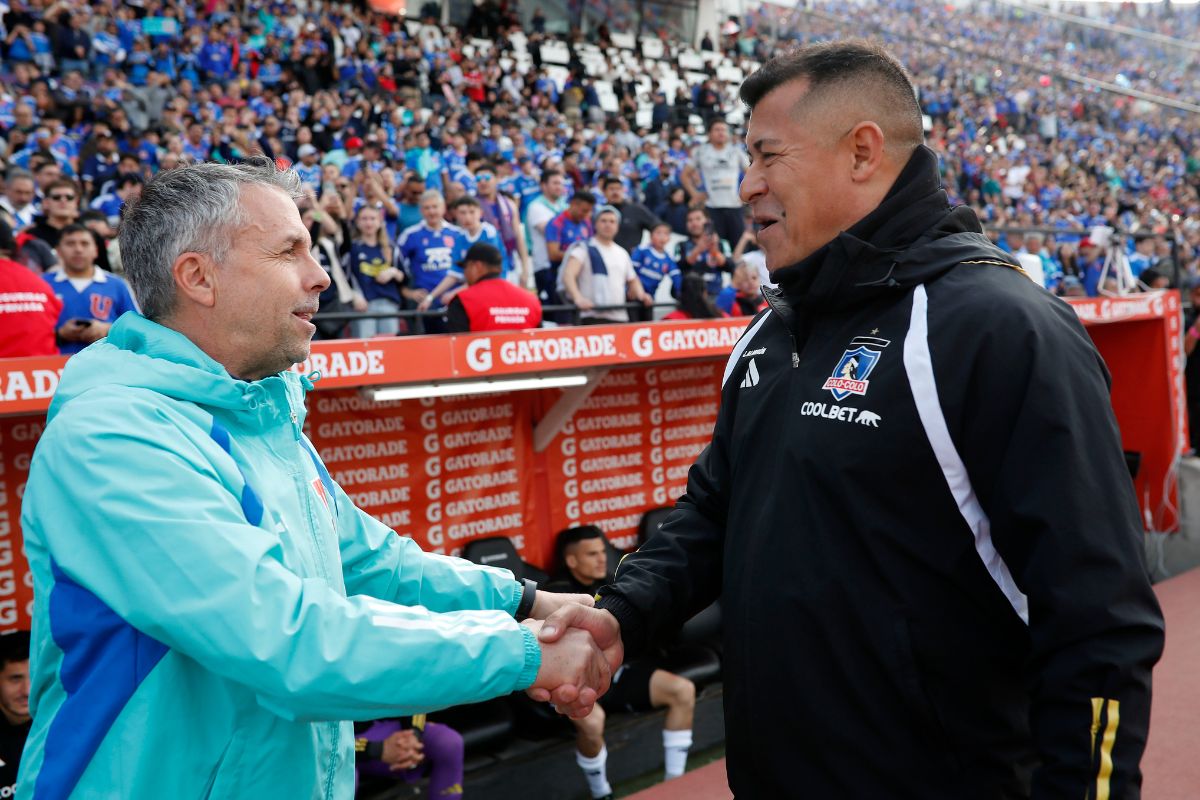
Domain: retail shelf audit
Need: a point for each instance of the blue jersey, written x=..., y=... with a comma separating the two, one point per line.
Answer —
x=525, y=188
x=104, y=299
x=487, y=234
x=427, y=254
x=366, y=261
x=566, y=231
x=309, y=176
x=109, y=203
x=652, y=266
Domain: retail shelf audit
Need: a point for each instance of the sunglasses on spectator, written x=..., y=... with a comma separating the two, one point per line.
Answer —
x=61, y=196
x=483, y=176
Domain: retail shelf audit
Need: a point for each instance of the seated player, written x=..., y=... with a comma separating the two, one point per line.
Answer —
x=409, y=749
x=582, y=563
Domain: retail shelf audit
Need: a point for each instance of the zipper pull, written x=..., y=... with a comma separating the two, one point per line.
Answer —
x=795, y=355
x=295, y=426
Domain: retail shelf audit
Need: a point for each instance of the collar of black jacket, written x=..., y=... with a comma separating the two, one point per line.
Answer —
x=884, y=251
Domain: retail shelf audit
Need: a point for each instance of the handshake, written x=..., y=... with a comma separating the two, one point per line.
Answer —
x=581, y=649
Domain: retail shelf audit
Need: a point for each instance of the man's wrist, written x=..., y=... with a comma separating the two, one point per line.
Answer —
x=629, y=620
x=528, y=597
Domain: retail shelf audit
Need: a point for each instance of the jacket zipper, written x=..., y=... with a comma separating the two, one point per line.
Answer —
x=791, y=336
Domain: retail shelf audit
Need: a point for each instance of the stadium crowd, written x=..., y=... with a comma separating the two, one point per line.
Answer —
x=416, y=140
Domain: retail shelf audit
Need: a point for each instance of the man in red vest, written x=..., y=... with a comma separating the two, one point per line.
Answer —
x=490, y=303
x=28, y=308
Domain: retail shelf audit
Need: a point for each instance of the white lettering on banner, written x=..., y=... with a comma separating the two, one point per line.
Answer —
x=612, y=483
x=654, y=396
x=562, y=348
x=381, y=497
x=6, y=555
x=487, y=458
x=469, y=483
x=686, y=451
x=479, y=355
x=569, y=467
x=682, y=374
x=396, y=519
x=433, y=489
x=595, y=443
x=8, y=612
x=841, y=413
x=428, y=420
x=433, y=466
x=350, y=403
x=338, y=364
x=433, y=512
x=568, y=447
x=688, y=432
x=650, y=376
x=468, y=416
x=571, y=488
x=27, y=431
x=620, y=524
x=435, y=537
x=1114, y=309
x=620, y=379
x=643, y=343
x=605, y=401
x=485, y=527
x=605, y=463
x=704, y=410
x=497, y=435
x=688, y=393
x=723, y=338
x=360, y=475
x=364, y=451
x=609, y=422
x=360, y=427
x=623, y=502
x=5, y=525
x=474, y=505
x=660, y=475
x=572, y=510
x=660, y=496
x=432, y=443
x=36, y=384
x=656, y=416
x=8, y=582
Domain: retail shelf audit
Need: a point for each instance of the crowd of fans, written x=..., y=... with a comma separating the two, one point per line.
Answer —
x=416, y=140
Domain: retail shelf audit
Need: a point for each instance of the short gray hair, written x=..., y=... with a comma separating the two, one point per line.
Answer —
x=192, y=208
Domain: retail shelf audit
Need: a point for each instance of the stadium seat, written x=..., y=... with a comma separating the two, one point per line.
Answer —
x=651, y=521
x=498, y=551
x=481, y=724
x=652, y=47
x=625, y=41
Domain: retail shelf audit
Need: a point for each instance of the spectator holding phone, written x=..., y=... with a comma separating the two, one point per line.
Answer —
x=92, y=298
x=704, y=252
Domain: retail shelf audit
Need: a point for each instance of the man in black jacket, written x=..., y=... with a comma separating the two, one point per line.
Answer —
x=914, y=506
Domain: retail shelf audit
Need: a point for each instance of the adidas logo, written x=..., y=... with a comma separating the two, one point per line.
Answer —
x=751, y=378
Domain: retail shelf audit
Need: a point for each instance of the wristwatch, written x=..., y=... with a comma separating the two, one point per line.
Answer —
x=525, y=607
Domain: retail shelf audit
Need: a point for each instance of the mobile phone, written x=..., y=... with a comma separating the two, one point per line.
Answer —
x=708, y=229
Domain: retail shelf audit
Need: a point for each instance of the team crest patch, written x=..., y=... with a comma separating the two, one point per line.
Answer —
x=855, y=366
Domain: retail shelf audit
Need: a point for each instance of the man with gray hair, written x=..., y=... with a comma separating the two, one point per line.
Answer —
x=19, y=201
x=193, y=560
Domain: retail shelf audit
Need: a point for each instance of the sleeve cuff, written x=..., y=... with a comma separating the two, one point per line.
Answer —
x=633, y=629
x=515, y=601
x=533, y=660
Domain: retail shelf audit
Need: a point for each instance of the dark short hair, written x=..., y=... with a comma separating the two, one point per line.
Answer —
x=14, y=647
x=465, y=200
x=550, y=173
x=609, y=180
x=572, y=536
x=75, y=227
x=585, y=196
x=855, y=66
x=63, y=183
x=714, y=122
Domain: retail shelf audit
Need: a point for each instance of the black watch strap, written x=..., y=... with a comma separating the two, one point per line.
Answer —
x=525, y=607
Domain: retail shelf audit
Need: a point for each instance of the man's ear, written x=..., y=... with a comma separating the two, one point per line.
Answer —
x=196, y=278
x=866, y=142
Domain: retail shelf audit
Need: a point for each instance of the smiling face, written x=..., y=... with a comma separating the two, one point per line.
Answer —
x=587, y=560
x=816, y=169
x=267, y=288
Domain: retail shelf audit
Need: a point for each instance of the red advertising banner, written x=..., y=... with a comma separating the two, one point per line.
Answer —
x=444, y=471
x=629, y=447
x=18, y=437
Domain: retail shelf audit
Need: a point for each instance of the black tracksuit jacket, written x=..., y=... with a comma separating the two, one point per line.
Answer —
x=916, y=513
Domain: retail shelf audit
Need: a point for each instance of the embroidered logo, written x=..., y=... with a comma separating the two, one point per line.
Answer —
x=855, y=366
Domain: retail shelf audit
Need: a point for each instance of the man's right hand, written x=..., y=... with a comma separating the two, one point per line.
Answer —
x=574, y=671
x=605, y=632
x=402, y=750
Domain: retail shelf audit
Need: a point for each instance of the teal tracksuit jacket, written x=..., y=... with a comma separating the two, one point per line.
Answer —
x=210, y=609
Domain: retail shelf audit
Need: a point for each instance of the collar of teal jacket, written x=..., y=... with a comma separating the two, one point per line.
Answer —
x=140, y=353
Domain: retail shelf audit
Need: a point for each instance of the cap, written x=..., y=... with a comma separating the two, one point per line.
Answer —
x=482, y=251
x=306, y=150
x=1086, y=242
x=353, y=141
x=606, y=209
